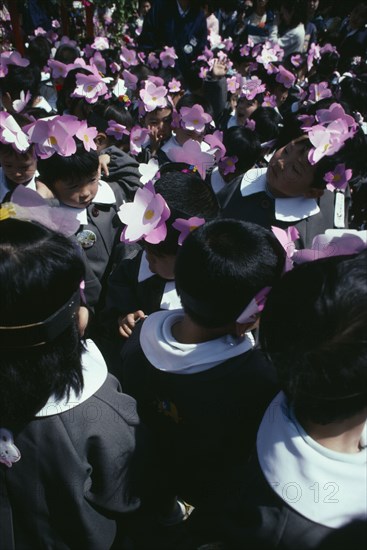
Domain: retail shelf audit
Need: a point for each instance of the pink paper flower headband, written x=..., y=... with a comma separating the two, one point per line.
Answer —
x=252, y=87
x=56, y=135
x=153, y=96
x=11, y=58
x=194, y=118
x=331, y=129
x=145, y=218
x=255, y=307
x=12, y=134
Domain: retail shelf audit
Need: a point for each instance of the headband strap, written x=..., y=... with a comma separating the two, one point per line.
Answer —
x=42, y=332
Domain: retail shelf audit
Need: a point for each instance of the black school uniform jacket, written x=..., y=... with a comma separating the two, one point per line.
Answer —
x=245, y=198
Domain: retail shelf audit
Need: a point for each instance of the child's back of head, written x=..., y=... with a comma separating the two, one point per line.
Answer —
x=221, y=266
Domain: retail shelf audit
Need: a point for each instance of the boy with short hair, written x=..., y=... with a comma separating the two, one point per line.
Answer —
x=199, y=384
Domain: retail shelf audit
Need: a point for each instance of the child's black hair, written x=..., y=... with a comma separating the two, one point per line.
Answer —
x=21, y=79
x=314, y=329
x=222, y=265
x=39, y=51
x=187, y=195
x=67, y=53
x=244, y=144
x=39, y=272
x=111, y=109
x=353, y=91
x=268, y=123
x=74, y=168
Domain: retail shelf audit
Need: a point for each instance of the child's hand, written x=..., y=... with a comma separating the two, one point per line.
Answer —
x=128, y=322
x=104, y=161
x=155, y=139
x=219, y=68
x=44, y=191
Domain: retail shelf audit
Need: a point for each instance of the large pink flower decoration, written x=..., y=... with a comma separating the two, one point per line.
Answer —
x=216, y=144
x=153, y=96
x=227, y=165
x=168, y=57
x=186, y=226
x=191, y=153
x=313, y=53
x=128, y=57
x=252, y=87
x=11, y=58
x=335, y=112
x=58, y=69
x=99, y=62
x=285, y=77
x=269, y=101
x=268, y=55
x=11, y=133
x=87, y=135
x=327, y=140
x=131, y=81
x=287, y=239
x=145, y=217
x=54, y=135
x=174, y=86
x=153, y=61
x=194, y=118
x=90, y=87
x=100, y=43
x=116, y=130
x=233, y=84
x=319, y=91
x=338, y=179
x=138, y=138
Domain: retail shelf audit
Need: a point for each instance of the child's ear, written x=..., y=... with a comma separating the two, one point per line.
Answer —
x=313, y=193
x=101, y=140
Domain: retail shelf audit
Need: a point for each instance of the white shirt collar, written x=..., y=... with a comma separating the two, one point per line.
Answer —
x=4, y=186
x=180, y=10
x=105, y=195
x=170, y=298
x=287, y=210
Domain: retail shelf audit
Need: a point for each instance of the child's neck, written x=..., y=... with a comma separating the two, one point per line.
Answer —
x=343, y=437
x=186, y=331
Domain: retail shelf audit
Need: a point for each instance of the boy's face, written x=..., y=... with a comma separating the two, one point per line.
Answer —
x=245, y=108
x=161, y=265
x=160, y=119
x=19, y=168
x=77, y=194
x=289, y=172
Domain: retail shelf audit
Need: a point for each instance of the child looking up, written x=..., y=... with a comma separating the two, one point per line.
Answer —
x=65, y=470
x=194, y=373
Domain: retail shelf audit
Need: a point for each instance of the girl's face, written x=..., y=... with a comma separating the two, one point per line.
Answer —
x=161, y=265
x=289, y=172
x=77, y=194
x=245, y=108
x=19, y=168
x=160, y=119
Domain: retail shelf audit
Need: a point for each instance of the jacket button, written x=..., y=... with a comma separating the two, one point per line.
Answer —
x=95, y=212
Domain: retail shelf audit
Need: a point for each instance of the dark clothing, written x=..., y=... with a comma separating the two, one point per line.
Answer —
x=260, y=208
x=74, y=478
x=203, y=423
x=164, y=26
x=123, y=170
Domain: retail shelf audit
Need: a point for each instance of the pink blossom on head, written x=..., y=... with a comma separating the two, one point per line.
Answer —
x=157, y=80
x=131, y=81
x=335, y=112
x=54, y=135
x=287, y=239
x=307, y=121
x=296, y=60
x=115, y=67
x=118, y=131
x=250, y=124
x=90, y=87
x=174, y=86
x=58, y=69
x=267, y=55
x=191, y=153
x=194, y=118
x=233, y=84
x=40, y=31
x=138, y=138
x=87, y=135
x=215, y=141
x=11, y=133
x=186, y=226
x=145, y=217
x=55, y=24
x=269, y=101
x=142, y=57
x=128, y=57
x=148, y=171
x=20, y=104
x=153, y=96
x=338, y=179
x=168, y=57
x=252, y=87
x=152, y=61
x=100, y=43
x=272, y=69
x=327, y=140
x=285, y=77
x=11, y=58
x=319, y=91
x=228, y=44
x=313, y=53
x=328, y=48
x=99, y=62
x=228, y=165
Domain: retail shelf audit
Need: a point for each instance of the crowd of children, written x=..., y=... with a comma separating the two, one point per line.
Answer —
x=156, y=199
